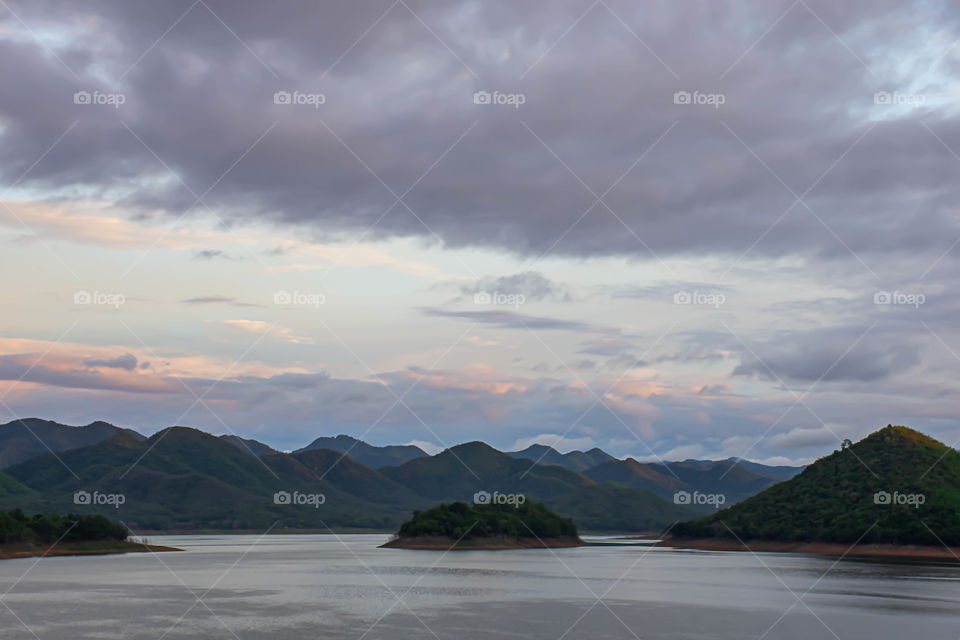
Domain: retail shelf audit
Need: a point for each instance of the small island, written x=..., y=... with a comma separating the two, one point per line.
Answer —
x=71, y=535
x=460, y=526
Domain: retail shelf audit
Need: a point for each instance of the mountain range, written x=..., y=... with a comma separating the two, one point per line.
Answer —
x=184, y=479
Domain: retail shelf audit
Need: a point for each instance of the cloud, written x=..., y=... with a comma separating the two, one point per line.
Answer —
x=497, y=186
x=203, y=300
x=558, y=441
x=430, y=448
x=127, y=361
x=208, y=300
x=261, y=326
x=513, y=320
x=210, y=254
x=531, y=285
x=829, y=356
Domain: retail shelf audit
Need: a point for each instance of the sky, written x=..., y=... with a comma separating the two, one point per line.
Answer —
x=672, y=230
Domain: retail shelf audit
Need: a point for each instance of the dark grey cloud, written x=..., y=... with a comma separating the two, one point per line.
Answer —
x=201, y=300
x=208, y=300
x=841, y=354
x=700, y=189
x=127, y=361
x=210, y=254
x=532, y=285
x=606, y=346
x=504, y=319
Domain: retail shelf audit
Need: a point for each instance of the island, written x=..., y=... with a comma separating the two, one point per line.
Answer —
x=459, y=526
x=23, y=536
x=894, y=493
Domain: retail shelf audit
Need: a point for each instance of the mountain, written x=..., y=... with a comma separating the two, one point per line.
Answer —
x=576, y=460
x=896, y=486
x=182, y=478
x=253, y=447
x=374, y=457
x=29, y=437
x=734, y=481
x=185, y=479
x=470, y=469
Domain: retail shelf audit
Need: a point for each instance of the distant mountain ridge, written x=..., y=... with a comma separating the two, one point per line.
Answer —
x=26, y=438
x=576, y=460
x=185, y=479
x=372, y=456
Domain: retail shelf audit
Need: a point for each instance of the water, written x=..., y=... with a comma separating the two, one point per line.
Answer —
x=293, y=587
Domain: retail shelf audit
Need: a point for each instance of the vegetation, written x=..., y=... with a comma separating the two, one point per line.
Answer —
x=897, y=486
x=16, y=527
x=462, y=521
x=182, y=479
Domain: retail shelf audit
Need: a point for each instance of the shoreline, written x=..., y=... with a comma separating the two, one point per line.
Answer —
x=439, y=543
x=11, y=552
x=892, y=551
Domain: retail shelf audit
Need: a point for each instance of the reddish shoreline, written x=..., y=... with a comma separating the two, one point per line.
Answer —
x=480, y=544
x=820, y=548
x=9, y=552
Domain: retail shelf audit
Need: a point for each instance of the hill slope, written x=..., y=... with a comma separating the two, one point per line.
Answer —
x=896, y=486
x=253, y=447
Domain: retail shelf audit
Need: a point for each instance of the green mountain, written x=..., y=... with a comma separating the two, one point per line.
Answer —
x=576, y=460
x=29, y=437
x=373, y=457
x=896, y=486
x=183, y=478
x=475, y=469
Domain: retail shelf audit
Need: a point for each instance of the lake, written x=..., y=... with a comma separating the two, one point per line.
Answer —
x=321, y=586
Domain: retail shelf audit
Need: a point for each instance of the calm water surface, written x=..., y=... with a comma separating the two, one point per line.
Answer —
x=292, y=587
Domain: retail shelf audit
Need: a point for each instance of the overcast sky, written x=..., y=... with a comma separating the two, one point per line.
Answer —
x=669, y=229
